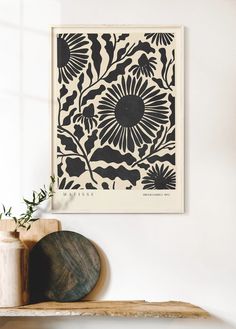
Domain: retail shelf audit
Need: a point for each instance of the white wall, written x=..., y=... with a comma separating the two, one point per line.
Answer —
x=188, y=257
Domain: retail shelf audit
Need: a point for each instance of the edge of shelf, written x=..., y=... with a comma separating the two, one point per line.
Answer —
x=132, y=309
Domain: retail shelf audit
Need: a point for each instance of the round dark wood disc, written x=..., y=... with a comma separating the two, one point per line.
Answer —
x=64, y=266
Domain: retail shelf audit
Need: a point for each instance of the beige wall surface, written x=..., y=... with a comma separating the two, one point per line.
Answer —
x=189, y=257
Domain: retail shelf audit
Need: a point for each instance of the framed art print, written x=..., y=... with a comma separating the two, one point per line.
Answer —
x=118, y=119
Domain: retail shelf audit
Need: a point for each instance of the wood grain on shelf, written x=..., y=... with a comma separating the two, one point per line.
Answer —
x=37, y=231
x=170, y=309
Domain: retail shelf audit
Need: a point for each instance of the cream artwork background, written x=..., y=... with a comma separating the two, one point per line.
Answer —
x=117, y=119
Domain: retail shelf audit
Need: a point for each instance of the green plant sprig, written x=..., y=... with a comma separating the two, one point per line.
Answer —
x=26, y=219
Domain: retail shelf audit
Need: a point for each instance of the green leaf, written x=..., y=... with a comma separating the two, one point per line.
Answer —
x=26, y=201
x=34, y=219
x=8, y=213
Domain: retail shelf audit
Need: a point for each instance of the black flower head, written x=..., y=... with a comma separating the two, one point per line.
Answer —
x=130, y=113
x=145, y=66
x=71, y=55
x=160, y=38
x=87, y=118
x=159, y=178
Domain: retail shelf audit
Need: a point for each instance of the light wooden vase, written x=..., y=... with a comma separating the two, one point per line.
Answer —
x=14, y=256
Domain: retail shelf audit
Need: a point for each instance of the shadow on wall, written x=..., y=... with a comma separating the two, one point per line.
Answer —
x=115, y=323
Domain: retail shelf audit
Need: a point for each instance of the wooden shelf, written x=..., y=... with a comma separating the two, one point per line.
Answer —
x=109, y=308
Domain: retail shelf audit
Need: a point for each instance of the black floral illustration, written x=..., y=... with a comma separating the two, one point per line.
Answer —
x=130, y=113
x=145, y=66
x=159, y=178
x=160, y=38
x=167, y=80
x=71, y=56
x=87, y=118
x=116, y=111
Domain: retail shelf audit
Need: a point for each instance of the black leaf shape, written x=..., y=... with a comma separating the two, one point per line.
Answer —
x=58, y=150
x=75, y=167
x=122, y=51
x=171, y=147
x=68, y=186
x=62, y=184
x=143, y=166
x=109, y=47
x=78, y=131
x=76, y=187
x=68, y=143
x=63, y=91
x=110, y=155
x=171, y=136
x=59, y=170
x=162, y=51
x=129, y=187
x=105, y=186
x=156, y=139
x=122, y=37
x=172, y=108
x=89, y=186
x=81, y=81
x=159, y=82
x=67, y=119
x=143, y=46
x=167, y=157
x=121, y=172
x=119, y=70
x=89, y=144
x=92, y=94
x=69, y=101
x=96, y=48
x=89, y=72
x=142, y=150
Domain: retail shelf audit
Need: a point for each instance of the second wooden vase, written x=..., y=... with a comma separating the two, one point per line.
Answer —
x=13, y=270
